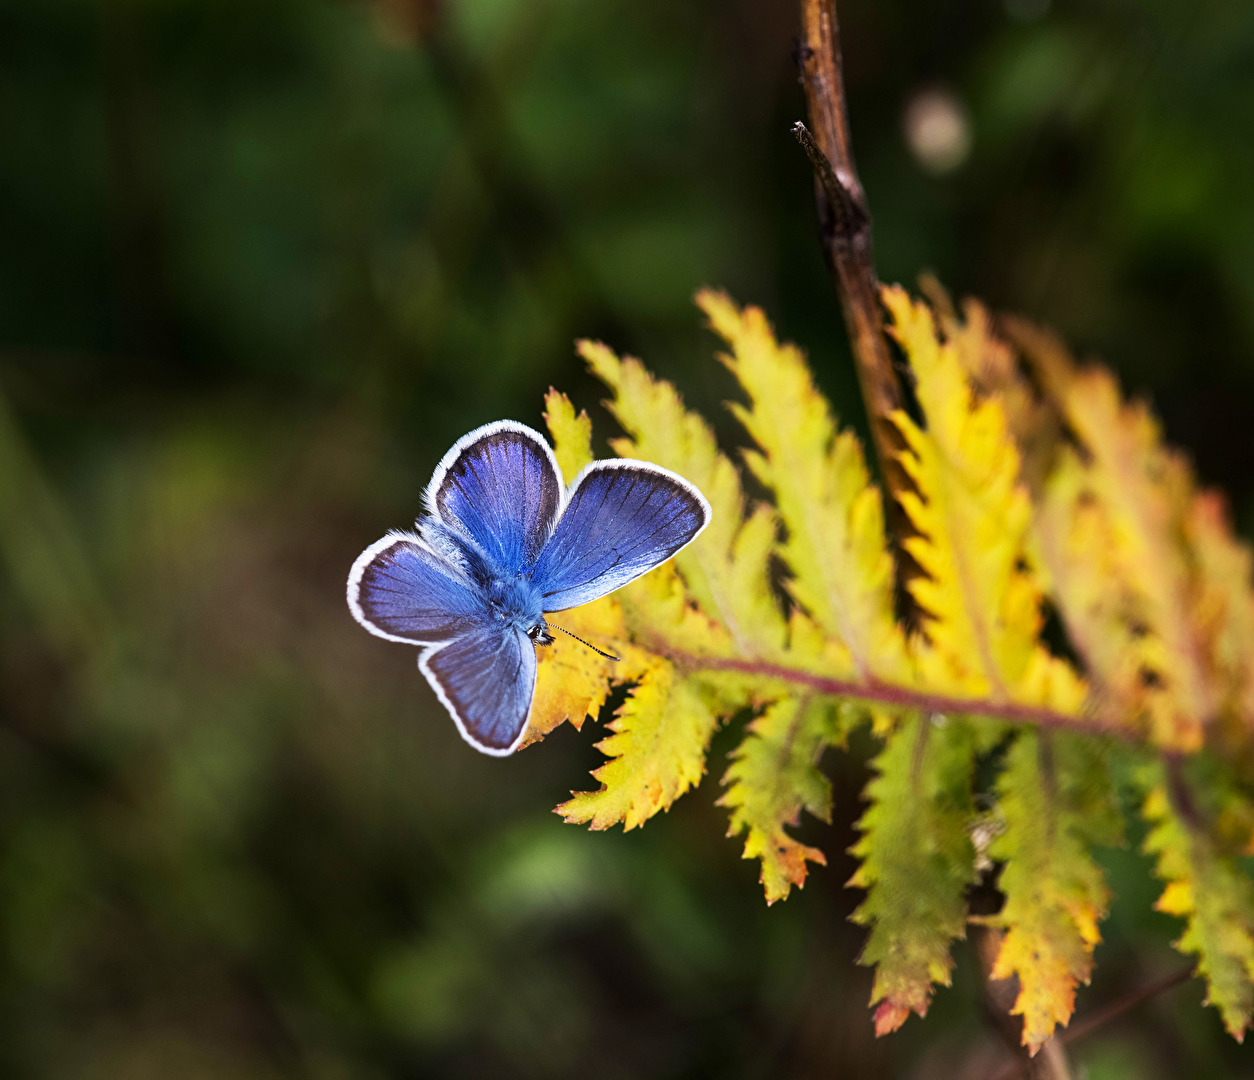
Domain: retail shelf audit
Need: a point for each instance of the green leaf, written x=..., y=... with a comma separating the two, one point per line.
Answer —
x=1207, y=889
x=774, y=775
x=1054, y=802
x=917, y=862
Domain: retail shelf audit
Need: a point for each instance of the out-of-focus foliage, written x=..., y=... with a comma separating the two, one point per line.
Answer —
x=262, y=263
x=1214, y=896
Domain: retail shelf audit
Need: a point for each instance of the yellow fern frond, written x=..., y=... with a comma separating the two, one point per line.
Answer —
x=657, y=751
x=572, y=680
x=727, y=568
x=661, y=616
x=1110, y=522
x=992, y=366
x=835, y=547
x=973, y=516
x=1139, y=572
x=1054, y=803
x=1031, y=479
x=775, y=775
x=1223, y=610
x=572, y=435
x=1143, y=488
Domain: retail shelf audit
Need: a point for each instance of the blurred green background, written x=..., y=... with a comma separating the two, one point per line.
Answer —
x=262, y=261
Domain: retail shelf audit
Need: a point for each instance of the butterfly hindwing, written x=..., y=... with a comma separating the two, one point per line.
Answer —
x=400, y=589
x=486, y=679
x=622, y=518
x=500, y=487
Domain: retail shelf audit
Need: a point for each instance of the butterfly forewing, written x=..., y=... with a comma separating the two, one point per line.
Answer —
x=499, y=486
x=486, y=680
x=402, y=590
x=621, y=520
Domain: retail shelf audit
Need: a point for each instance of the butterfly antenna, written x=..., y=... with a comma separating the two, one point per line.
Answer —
x=581, y=641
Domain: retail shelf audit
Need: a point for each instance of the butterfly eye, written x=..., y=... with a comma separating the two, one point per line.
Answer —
x=540, y=634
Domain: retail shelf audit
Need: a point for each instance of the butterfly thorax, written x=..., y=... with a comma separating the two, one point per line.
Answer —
x=512, y=600
x=515, y=602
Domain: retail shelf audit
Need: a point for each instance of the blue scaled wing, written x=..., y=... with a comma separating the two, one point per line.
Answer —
x=400, y=589
x=501, y=488
x=486, y=679
x=622, y=518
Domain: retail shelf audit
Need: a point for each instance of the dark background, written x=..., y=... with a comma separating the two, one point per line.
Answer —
x=262, y=261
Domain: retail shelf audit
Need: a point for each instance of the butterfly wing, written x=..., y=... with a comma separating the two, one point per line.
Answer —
x=622, y=518
x=486, y=679
x=500, y=487
x=400, y=589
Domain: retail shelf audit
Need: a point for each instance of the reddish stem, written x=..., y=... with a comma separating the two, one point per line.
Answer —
x=905, y=697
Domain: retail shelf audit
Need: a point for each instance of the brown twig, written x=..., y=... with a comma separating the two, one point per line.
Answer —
x=844, y=218
x=850, y=215
x=1104, y=1016
x=1179, y=792
x=845, y=223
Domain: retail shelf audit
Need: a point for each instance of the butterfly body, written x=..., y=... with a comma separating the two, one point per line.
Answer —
x=503, y=544
x=516, y=602
x=509, y=596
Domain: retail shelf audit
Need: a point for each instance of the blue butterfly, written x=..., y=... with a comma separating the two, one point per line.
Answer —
x=502, y=545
